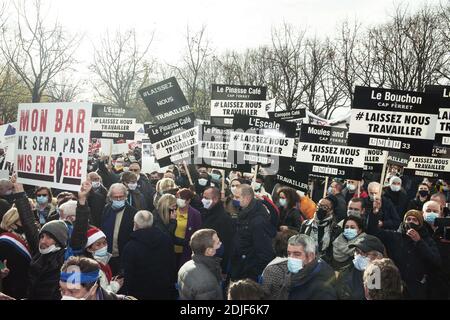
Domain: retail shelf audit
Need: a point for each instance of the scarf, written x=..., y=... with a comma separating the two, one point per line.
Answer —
x=324, y=224
x=341, y=251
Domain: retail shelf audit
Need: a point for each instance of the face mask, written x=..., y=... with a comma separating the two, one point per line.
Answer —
x=321, y=213
x=411, y=225
x=131, y=158
x=395, y=188
x=181, y=203
x=154, y=181
x=350, y=234
x=202, y=182
x=132, y=186
x=372, y=197
x=330, y=190
x=354, y=213
x=215, y=176
x=71, y=298
x=52, y=248
x=42, y=199
x=294, y=265
x=117, y=204
x=423, y=193
x=206, y=203
x=351, y=187
x=360, y=262
x=101, y=252
x=430, y=217
x=256, y=186
x=19, y=230
x=283, y=202
x=233, y=189
x=96, y=184
x=236, y=203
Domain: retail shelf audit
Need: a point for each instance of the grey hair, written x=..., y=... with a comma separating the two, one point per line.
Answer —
x=373, y=184
x=68, y=208
x=305, y=241
x=143, y=219
x=426, y=205
x=246, y=190
x=117, y=186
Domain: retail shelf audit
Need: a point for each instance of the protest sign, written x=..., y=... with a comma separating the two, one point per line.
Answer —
x=263, y=141
x=52, y=144
x=315, y=155
x=396, y=120
x=443, y=125
x=228, y=100
x=297, y=116
x=165, y=100
x=110, y=122
x=374, y=160
x=214, y=146
x=437, y=166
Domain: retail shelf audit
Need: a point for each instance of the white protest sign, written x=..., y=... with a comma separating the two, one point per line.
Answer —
x=52, y=144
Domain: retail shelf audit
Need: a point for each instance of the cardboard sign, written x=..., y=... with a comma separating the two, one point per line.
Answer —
x=317, y=156
x=52, y=144
x=374, y=160
x=396, y=120
x=259, y=140
x=165, y=100
x=214, y=146
x=398, y=158
x=437, y=166
x=297, y=116
x=114, y=123
x=293, y=176
x=228, y=100
x=443, y=125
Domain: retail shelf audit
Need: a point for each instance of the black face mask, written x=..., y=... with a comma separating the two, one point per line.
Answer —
x=154, y=181
x=423, y=193
x=19, y=230
x=321, y=213
x=411, y=225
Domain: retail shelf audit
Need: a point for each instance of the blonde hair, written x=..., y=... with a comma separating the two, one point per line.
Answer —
x=165, y=184
x=164, y=203
x=10, y=219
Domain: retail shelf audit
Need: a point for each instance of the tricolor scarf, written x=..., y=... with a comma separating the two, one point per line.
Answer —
x=18, y=242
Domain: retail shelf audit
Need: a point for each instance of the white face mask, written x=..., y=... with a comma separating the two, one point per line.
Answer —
x=50, y=249
x=126, y=169
x=102, y=255
x=71, y=298
x=206, y=203
x=256, y=186
x=96, y=184
x=395, y=188
x=202, y=182
x=351, y=187
x=181, y=203
x=132, y=186
x=233, y=190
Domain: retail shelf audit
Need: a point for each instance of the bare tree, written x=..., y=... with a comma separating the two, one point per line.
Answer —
x=63, y=89
x=35, y=51
x=120, y=65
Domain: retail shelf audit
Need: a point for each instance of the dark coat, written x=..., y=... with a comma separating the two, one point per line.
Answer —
x=415, y=260
x=194, y=223
x=399, y=200
x=217, y=219
x=388, y=214
x=96, y=202
x=292, y=218
x=252, y=242
x=136, y=200
x=148, y=260
x=146, y=188
x=315, y=282
x=349, y=284
x=340, y=212
x=125, y=229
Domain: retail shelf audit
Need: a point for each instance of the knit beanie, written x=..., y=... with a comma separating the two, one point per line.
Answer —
x=415, y=213
x=58, y=230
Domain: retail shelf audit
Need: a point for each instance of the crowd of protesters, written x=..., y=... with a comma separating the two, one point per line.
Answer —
x=190, y=233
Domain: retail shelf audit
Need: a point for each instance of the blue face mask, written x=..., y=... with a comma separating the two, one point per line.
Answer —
x=430, y=217
x=350, y=234
x=117, y=204
x=283, y=202
x=215, y=176
x=236, y=203
x=294, y=265
x=360, y=262
x=42, y=199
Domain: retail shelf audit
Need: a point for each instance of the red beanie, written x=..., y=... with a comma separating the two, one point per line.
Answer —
x=94, y=234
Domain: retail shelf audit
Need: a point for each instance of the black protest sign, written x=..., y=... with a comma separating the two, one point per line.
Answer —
x=398, y=158
x=437, y=166
x=165, y=100
x=374, y=160
x=396, y=120
x=113, y=123
x=214, y=146
x=293, y=176
x=443, y=126
x=162, y=131
x=289, y=115
x=228, y=100
x=261, y=141
x=328, y=160
x=324, y=135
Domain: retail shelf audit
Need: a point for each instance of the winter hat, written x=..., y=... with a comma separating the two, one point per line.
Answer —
x=368, y=243
x=394, y=179
x=416, y=213
x=10, y=218
x=94, y=234
x=58, y=230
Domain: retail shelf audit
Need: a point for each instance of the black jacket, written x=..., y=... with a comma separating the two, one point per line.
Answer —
x=314, y=282
x=388, y=215
x=96, y=202
x=146, y=188
x=292, y=218
x=217, y=219
x=349, y=284
x=45, y=269
x=399, y=200
x=148, y=260
x=415, y=260
x=416, y=204
x=252, y=242
x=340, y=212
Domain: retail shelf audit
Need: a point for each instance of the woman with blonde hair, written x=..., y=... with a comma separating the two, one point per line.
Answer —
x=165, y=216
x=163, y=186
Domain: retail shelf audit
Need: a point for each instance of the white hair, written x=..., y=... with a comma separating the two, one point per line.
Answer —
x=427, y=204
x=308, y=244
x=67, y=209
x=143, y=219
x=374, y=185
x=117, y=186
